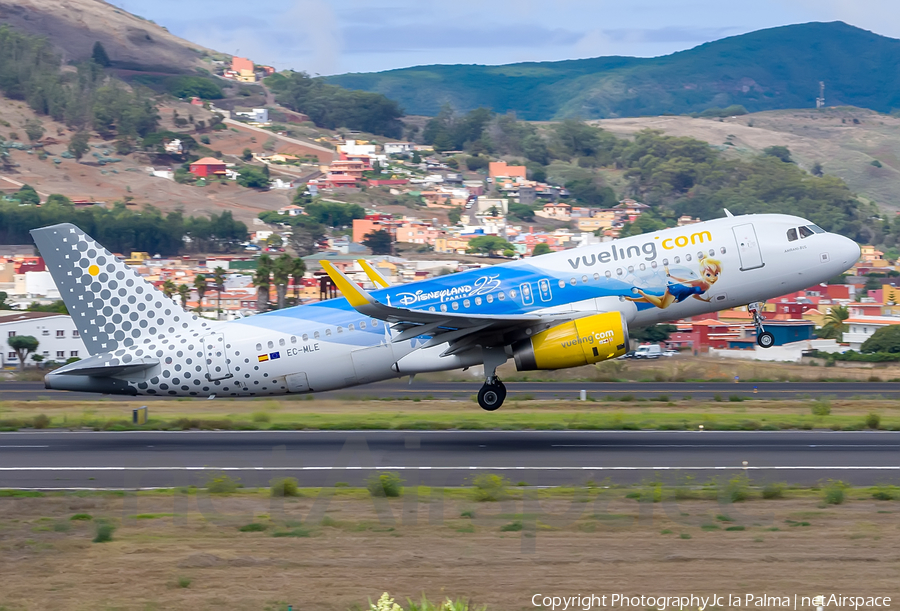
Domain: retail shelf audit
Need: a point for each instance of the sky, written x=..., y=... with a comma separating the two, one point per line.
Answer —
x=338, y=36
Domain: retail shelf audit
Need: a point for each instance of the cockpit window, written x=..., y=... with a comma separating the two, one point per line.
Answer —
x=816, y=229
x=792, y=234
x=805, y=232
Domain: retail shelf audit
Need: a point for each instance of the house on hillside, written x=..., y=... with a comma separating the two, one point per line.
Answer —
x=208, y=166
x=243, y=69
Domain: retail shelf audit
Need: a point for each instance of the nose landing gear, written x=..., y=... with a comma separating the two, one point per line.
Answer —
x=763, y=338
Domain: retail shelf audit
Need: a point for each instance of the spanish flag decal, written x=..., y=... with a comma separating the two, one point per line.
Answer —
x=263, y=357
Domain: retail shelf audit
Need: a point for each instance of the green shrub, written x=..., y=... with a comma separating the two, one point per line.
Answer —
x=773, y=490
x=489, y=487
x=104, y=532
x=884, y=493
x=284, y=486
x=82, y=516
x=685, y=535
x=736, y=489
x=261, y=417
x=873, y=420
x=833, y=493
x=385, y=484
x=736, y=398
x=184, y=582
x=222, y=484
x=61, y=526
x=511, y=527
x=735, y=528
x=253, y=527
x=40, y=421
x=820, y=407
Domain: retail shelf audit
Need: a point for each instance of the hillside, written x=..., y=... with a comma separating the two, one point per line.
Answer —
x=769, y=69
x=73, y=26
x=845, y=141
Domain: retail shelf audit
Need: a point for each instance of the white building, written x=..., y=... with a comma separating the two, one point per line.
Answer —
x=257, y=115
x=861, y=328
x=58, y=339
x=33, y=285
x=398, y=148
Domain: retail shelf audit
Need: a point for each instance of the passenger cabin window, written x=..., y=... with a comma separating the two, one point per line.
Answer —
x=316, y=335
x=792, y=234
x=805, y=232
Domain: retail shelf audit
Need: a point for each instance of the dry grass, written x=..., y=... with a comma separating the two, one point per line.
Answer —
x=350, y=555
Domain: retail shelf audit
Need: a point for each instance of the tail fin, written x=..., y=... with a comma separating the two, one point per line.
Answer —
x=112, y=306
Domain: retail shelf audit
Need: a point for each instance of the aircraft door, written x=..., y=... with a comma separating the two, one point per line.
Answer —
x=216, y=360
x=544, y=287
x=527, y=293
x=748, y=247
x=373, y=363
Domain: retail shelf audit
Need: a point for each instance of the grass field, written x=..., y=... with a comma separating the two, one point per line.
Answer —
x=669, y=412
x=332, y=549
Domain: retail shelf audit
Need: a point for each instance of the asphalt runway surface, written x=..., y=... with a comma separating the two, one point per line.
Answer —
x=423, y=389
x=129, y=460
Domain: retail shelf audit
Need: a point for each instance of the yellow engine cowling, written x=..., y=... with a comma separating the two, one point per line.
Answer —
x=581, y=342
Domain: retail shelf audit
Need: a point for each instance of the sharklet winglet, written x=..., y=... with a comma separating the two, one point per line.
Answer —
x=373, y=274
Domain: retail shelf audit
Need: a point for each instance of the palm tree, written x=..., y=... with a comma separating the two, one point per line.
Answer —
x=262, y=280
x=169, y=288
x=297, y=274
x=219, y=284
x=834, y=326
x=201, y=288
x=281, y=272
x=184, y=291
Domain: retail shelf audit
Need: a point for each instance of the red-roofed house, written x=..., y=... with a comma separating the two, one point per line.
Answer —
x=208, y=166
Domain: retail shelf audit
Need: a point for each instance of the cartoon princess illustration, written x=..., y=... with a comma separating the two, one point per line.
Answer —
x=679, y=289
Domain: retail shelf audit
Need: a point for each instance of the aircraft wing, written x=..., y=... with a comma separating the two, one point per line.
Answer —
x=461, y=330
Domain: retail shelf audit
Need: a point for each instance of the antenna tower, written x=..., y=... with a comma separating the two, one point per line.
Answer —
x=820, y=101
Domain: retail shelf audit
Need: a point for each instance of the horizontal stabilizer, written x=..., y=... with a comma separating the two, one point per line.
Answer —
x=103, y=366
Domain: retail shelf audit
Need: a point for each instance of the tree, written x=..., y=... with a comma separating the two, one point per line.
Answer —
x=169, y=288
x=540, y=249
x=306, y=235
x=78, y=144
x=98, y=54
x=455, y=214
x=219, y=286
x=262, y=280
x=834, y=326
x=34, y=129
x=779, y=151
x=816, y=169
x=184, y=292
x=885, y=339
x=488, y=245
x=379, y=242
x=281, y=273
x=253, y=177
x=201, y=287
x=23, y=345
x=297, y=273
x=3, y=297
x=247, y=155
x=37, y=358
x=522, y=211
x=653, y=333
x=27, y=195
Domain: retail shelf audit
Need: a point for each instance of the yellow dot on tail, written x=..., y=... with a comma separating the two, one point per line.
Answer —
x=93, y=270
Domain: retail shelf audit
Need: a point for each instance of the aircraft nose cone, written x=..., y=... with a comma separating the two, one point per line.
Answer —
x=849, y=251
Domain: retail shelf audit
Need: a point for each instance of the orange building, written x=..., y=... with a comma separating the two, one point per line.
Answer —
x=208, y=166
x=500, y=169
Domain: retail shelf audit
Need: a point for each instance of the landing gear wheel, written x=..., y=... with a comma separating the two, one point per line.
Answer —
x=765, y=339
x=491, y=396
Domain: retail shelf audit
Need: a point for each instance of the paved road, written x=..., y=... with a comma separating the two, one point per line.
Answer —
x=30, y=391
x=150, y=459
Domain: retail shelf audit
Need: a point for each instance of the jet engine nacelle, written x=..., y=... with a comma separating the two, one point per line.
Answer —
x=580, y=342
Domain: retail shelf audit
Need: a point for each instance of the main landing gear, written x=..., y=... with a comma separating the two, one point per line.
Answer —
x=763, y=338
x=492, y=394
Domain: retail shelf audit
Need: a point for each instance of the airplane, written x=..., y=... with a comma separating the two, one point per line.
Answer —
x=563, y=309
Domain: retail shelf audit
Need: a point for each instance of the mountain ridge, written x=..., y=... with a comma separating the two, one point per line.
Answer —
x=768, y=69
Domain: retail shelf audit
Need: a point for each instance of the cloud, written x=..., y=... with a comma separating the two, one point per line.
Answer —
x=436, y=36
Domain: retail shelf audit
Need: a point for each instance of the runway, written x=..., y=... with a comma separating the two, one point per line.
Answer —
x=116, y=460
x=423, y=389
